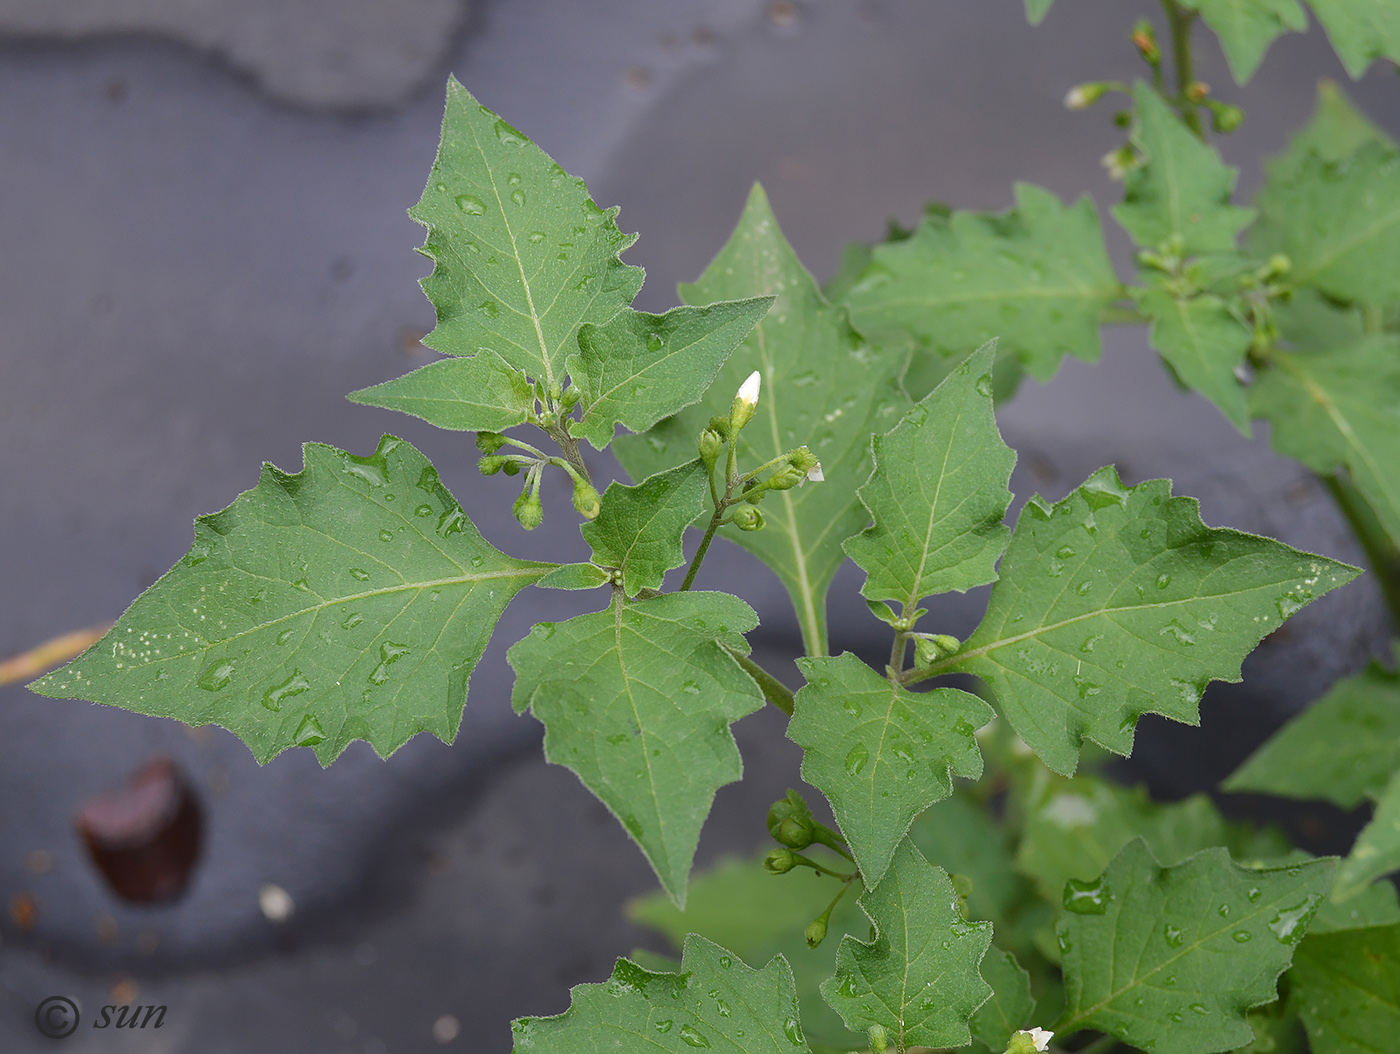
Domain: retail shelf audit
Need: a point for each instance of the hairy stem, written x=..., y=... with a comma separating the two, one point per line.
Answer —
x=1380, y=549
x=715, y=521
x=777, y=693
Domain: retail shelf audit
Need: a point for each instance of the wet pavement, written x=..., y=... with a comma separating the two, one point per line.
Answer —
x=198, y=267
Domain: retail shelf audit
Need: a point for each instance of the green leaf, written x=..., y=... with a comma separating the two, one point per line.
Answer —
x=1170, y=958
x=482, y=393
x=1346, y=988
x=880, y=753
x=1337, y=130
x=1204, y=343
x=1335, y=409
x=522, y=257
x=1119, y=601
x=1246, y=28
x=716, y=1002
x=961, y=837
x=638, y=368
x=348, y=601
x=1342, y=749
x=637, y=701
x=1375, y=905
x=1377, y=848
x=1360, y=30
x=917, y=977
x=1180, y=195
x=938, y=494
x=1036, y=10
x=638, y=529
x=1037, y=277
x=1011, y=1005
x=823, y=386
x=758, y=916
x=575, y=576
x=1338, y=221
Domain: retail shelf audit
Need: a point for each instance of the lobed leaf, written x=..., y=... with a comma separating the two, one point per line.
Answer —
x=1170, y=959
x=917, y=977
x=938, y=494
x=348, y=601
x=521, y=258
x=637, y=368
x=715, y=1002
x=1342, y=749
x=1361, y=31
x=1036, y=277
x=1119, y=601
x=637, y=701
x=879, y=753
x=1246, y=28
x=1204, y=343
x=1009, y=1009
x=1377, y=848
x=481, y=393
x=1346, y=988
x=1180, y=195
x=638, y=530
x=822, y=386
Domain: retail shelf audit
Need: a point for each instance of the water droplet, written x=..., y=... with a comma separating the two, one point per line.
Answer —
x=725, y=962
x=1224, y=911
x=351, y=620
x=1178, y=633
x=389, y=653
x=536, y=237
x=441, y=187
x=1242, y=936
x=386, y=535
x=1199, y=1008
x=1164, y=580
x=1175, y=1015
x=1173, y=935
x=423, y=510
x=451, y=521
x=359, y=574
x=370, y=470
x=513, y=179
x=1289, y=924
x=489, y=308
x=1083, y=588
x=851, y=707
x=293, y=685
x=856, y=759
x=664, y=1025
x=1089, y=642
x=984, y=385
x=471, y=205
x=690, y=688
x=216, y=676
x=1253, y=895
x=1087, y=898
x=722, y=1008
x=793, y=1031
x=478, y=560
x=846, y=985
x=1065, y=944
x=1289, y=604
x=302, y=584
x=1064, y=552
x=510, y=136
x=285, y=636
x=199, y=552
x=517, y=196
x=309, y=732
x=692, y=1037
x=1086, y=687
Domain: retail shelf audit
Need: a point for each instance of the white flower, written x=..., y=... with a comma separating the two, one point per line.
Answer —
x=748, y=391
x=1040, y=1037
x=815, y=473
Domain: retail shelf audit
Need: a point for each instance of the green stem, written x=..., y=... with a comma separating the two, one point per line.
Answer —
x=1180, y=21
x=1118, y=315
x=826, y=836
x=777, y=693
x=698, y=558
x=1381, y=551
x=569, y=446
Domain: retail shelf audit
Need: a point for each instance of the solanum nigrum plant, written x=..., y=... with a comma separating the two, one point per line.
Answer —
x=1035, y=906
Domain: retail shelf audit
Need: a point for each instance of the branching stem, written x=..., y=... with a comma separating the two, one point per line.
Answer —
x=1179, y=19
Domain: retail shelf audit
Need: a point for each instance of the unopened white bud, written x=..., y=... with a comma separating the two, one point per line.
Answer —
x=748, y=391
x=1040, y=1037
x=815, y=473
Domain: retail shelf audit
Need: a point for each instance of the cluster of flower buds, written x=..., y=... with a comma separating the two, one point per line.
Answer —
x=790, y=822
x=1030, y=1041
x=930, y=647
x=527, y=508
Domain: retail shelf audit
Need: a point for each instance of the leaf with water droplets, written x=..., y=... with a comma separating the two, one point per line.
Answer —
x=1342, y=749
x=638, y=529
x=1246, y=28
x=937, y=495
x=715, y=1003
x=1202, y=341
x=1119, y=601
x=483, y=392
x=1169, y=959
x=823, y=386
x=521, y=258
x=917, y=977
x=292, y=622
x=1180, y=196
x=1346, y=988
x=637, y=701
x=1036, y=277
x=1361, y=31
x=575, y=576
x=880, y=753
x=1377, y=848
x=638, y=368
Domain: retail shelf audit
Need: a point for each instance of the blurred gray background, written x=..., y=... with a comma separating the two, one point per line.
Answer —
x=202, y=214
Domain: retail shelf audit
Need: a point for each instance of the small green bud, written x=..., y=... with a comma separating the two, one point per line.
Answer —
x=745, y=403
x=879, y=1039
x=803, y=460
x=780, y=861
x=556, y=393
x=710, y=443
x=816, y=932
x=1120, y=162
x=568, y=400
x=586, y=500
x=786, y=478
x=489, y=442
x=747, y=518
x=791, y=807
x=1197, y=92
x=1145, y=40
x=1224, y=118
x=1082, y=96
x=527, y=508
x=492, y=463
x=511, y=467
x=720, y=425
x=1029, y=1041
x=930, y=647
x=1278, y=266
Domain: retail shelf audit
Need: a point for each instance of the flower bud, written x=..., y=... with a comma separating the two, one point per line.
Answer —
x=879, y=1039
x=1224, y=118
x=745, y=403
x=803, y=459
x=791, y=807
x=720, y=425
x=492, y=463
x=527, y=508
x=786, y=478
x=780, y=861
x=1120, y=162
x=1198, y=91
x=929, y=648
x=586, y=500
x=1145, y=39
x=1029, y=1041
x=747, y=518
x=489, y=442
x=710, y=443
x=816, y=932
x=815, y=473
x=569, y=400
x=1082, y=96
